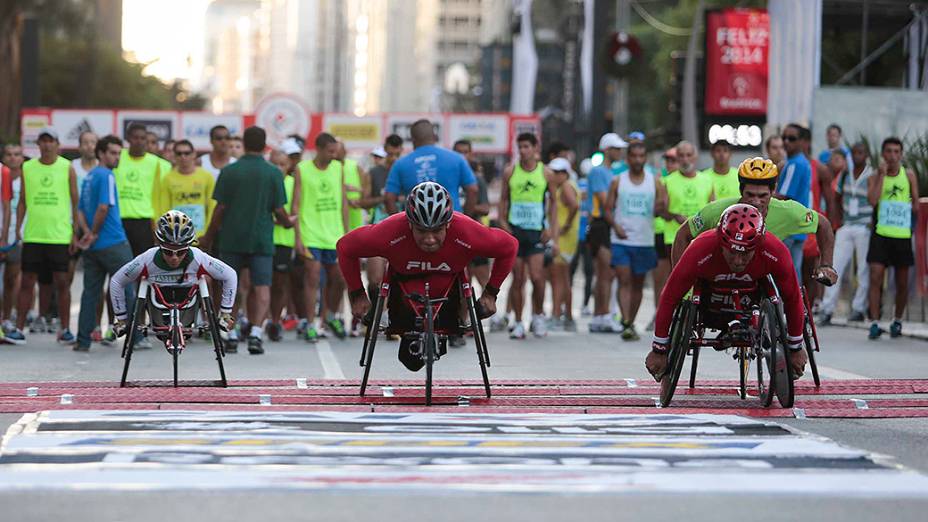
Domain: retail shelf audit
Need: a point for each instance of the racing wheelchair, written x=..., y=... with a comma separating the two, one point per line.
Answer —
x=424, y=322
x=754, y=329
x=172, y=311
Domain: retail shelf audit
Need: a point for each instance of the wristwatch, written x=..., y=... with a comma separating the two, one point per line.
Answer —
x=492, y=290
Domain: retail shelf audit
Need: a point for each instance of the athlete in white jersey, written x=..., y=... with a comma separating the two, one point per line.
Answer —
x=220, y=157
x=634, y=198
x=173, y=264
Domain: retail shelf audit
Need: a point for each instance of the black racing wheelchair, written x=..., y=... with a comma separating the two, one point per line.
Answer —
x=172, y=312
x=424, y=316
x=750, y=326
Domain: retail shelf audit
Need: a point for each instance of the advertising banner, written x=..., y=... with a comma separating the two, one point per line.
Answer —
x=195, y=126
x=489, y=133
x=71, y=123
x=358, y=132
x=164, y=124
x=282, y=115
x=737, y=45
x=400, y=122
x=31, y=122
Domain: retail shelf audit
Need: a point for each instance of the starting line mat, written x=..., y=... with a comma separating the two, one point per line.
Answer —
x=864, y=398
x=550, y=453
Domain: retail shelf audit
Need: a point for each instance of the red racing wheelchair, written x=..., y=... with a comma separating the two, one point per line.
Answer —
x=425, y=315
x=752, y=328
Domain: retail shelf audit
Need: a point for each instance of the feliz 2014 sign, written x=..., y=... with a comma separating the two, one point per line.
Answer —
x=737, y=47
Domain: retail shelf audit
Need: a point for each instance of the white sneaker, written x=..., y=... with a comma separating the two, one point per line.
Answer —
x=498, y=323
x=518, y=332
x=596, y=324
x=611, y=325
x=539, y=325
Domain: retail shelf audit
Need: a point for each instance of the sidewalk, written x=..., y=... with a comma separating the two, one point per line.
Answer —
x=909, y=329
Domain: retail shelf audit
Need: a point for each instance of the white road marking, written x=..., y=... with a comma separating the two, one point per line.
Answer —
x=330, y=366
x=835, y=373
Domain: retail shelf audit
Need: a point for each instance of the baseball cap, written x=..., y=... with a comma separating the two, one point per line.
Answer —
x=636, y=135
x=560, y=165
x=379, y=152
x=291, y=146
x=48, y=131
x=612, y=141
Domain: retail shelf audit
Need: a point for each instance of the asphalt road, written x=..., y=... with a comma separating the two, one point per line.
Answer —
x=846, y=354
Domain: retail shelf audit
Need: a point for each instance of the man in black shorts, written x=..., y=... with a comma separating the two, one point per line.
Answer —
x=47, y=206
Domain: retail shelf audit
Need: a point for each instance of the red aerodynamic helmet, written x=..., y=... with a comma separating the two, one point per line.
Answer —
x=741, y=227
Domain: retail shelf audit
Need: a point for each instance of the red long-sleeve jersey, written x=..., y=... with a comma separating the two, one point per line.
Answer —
x=392, y=239
x=702, y=263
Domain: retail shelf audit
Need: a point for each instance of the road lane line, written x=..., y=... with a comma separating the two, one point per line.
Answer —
x=835, y=373
x=330, y=366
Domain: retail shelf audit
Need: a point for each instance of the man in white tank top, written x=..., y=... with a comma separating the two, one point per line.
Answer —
x=219, y=157
x=11, y=258
x=88, y=159
x=635, y=197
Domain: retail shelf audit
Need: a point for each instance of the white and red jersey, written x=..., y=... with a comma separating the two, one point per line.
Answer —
x=151, y=265
x=702, y=263
x=392, y=239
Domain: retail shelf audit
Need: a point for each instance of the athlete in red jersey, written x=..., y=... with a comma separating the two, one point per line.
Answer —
x=736, y=255
x=430, y=239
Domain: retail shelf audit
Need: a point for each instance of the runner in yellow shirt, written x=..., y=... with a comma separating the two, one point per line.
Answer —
x=188, y=188
x=724, y=177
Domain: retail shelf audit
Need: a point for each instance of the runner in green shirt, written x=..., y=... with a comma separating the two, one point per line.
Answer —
x=757, y=177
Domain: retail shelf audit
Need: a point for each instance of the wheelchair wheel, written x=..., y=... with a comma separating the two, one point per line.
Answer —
x=694, y=362
x=765, y=342
x=175, y=349
x=784, y=382
x=129, y=343
x=810, y=340
x=213, y=324
x=370, y=342
x=430, y=345
x=483, y=357
x=744, y=369
x=684, y=319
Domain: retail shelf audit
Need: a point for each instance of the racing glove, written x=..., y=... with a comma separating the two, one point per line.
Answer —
x=120, y=327
x=225, y=321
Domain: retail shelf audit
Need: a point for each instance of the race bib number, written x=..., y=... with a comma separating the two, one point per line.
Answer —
x=196, y=213
x=895, y=214
x=637, y=204
x=527, y=215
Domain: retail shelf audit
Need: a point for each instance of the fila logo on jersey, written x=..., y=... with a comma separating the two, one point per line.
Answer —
x=427, y=266
x=733, y=277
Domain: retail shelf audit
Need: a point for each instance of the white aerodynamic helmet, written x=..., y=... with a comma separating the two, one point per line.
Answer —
x=429, y=205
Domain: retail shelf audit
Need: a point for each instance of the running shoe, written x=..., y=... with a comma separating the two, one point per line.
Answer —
x=109, y=337
x=570, y=325
x=274, y=332
x=518, y=331
x=14, y=336
x=823, y=319
x=337, y=326
x=555, y=324
x=143, y=344
x=856, y=316
x=875, y=332
x=355, y=327
x=539, y=325
x=596, y=324
x=78, y=347
x=230, y=344
x=312, y=335
x=301, y=327
x=289, y=323
x=498, y=323
x=255, y=345
x=96, y=336
x=611, y=325
x=66, y=337
x=39, y=325
x=629, y=333
x=895, y=329
x=456, y=341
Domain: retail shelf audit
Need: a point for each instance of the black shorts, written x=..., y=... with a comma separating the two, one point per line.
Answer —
x=45, y=259
x=662, y=251
x=597, y=236
x=138, y=231
x=283, y=259
x=403, y=319
x=890, y=251
x=480, y=261
x=529, y=241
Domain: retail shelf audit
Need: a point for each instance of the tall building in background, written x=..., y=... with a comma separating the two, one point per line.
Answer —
x=230, y=32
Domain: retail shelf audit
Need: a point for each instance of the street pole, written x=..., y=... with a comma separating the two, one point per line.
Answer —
x=620, y=107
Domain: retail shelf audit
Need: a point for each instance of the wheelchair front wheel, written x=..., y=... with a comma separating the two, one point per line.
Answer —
x=765, y=341
x=810, y=340
x=680, y=333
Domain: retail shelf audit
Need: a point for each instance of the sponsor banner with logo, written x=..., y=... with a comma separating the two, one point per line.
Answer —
x=165, y=124
x=71, y=123
x=358, y=132
x=399, y=123
x=520, y=124
x=282, y=115
x=489, y=133
x=195, y=127
x=737, y=45
x=31, y=122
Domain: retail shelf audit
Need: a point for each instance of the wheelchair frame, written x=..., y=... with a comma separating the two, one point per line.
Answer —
x=177, y=332
x=429, y=336
x=763, y=339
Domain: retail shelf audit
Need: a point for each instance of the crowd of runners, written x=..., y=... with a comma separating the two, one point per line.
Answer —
x=620, y=217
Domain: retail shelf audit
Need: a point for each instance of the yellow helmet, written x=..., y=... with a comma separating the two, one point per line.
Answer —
x=758, y=170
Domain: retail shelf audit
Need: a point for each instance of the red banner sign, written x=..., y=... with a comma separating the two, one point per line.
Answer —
x=737, y=43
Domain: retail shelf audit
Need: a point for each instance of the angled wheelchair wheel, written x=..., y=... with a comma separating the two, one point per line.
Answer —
x=129, y=342
x=694, y=362
x=483, y=357
x=680, y=334
x=810, y=341
x=370, y=341
x=784, y=372
x=765, y=341
x=175, y=351
x=213, y=323
x=744, y=369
